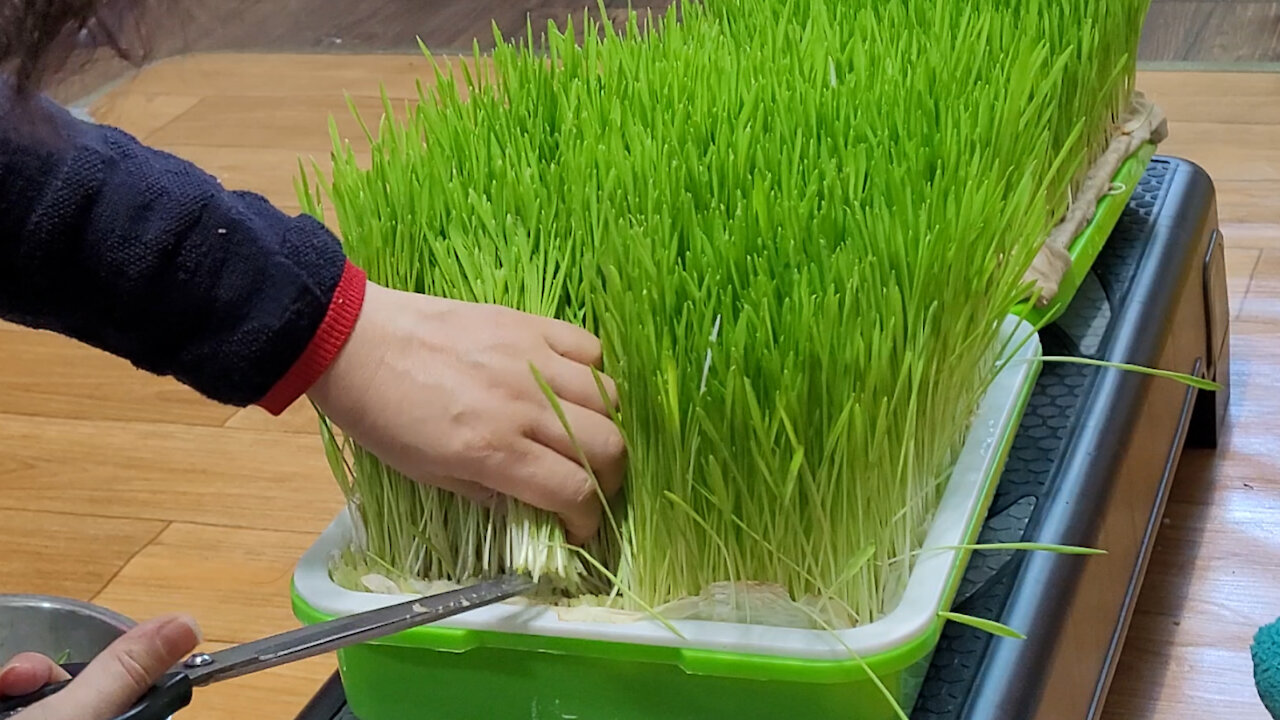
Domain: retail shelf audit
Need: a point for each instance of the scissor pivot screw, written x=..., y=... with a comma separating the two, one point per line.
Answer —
x=198, y=660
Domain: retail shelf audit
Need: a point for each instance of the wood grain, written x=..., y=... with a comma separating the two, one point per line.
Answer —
x=49, y=375
x=1262, y=301
x=1204, y=97
x=1249, y=152
x=1242, y=262
x=67, y=555
x=166, y=472
x=234, y=581
x=297, y=123
x=142, y=114
x=1251, y=235
x=1250, y=201
x=331, y=76
x=298, y=418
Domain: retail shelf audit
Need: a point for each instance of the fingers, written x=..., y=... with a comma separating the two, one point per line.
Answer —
x=575, y=382
x=27, y=673
x=122, y=673
x=598, y=438
x=547, y=479
x=573, y=342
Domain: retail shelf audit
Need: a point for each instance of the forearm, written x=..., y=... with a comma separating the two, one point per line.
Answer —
x=145, y=256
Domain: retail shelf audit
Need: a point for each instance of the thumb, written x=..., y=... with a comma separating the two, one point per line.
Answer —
x=116, y=678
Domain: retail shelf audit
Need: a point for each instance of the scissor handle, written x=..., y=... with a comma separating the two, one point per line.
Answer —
x=10, y=706
x=166, y=697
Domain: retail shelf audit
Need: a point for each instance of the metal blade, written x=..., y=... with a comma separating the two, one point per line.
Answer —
x=342, y=632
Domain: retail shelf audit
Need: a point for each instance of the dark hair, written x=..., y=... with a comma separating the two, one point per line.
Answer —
x=38, y=38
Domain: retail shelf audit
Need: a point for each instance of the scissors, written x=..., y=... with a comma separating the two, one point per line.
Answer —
x=173, y=691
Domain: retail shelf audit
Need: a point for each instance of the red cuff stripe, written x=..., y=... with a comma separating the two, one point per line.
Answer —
x=332, y=334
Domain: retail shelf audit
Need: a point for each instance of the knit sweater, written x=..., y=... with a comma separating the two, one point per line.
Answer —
x=143, y=255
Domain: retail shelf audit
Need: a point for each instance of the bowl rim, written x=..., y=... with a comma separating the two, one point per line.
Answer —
x=98, y=612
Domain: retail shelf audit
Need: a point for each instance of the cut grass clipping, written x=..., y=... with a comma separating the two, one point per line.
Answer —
x=797, y=227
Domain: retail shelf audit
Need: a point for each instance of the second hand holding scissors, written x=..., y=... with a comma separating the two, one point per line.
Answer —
x=173, y=691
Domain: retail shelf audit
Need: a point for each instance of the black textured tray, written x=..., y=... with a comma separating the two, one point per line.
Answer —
x=1156, y=296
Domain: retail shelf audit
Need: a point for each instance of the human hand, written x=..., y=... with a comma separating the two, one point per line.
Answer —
x=442, y=391
x=112, y=682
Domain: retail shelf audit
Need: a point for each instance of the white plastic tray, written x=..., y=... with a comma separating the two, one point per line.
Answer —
x=921, y=601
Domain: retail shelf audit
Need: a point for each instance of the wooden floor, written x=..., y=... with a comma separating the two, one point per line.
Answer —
x=133, y=492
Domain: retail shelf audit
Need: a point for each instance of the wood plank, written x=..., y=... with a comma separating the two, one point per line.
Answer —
x=331, y=76
x=42, y=373
x=141, y=114
x=1262, y=300
x=1185, y=86
x=166, y=472
x=293, y=123
x=1246, y=135
x=1161, y=677
x=1227, y=530
x=233, y=581
x=1225, y=161
x=1241, y=264
x=1228, y=98
x=1262, y=236
x=1244, y=152
x=298, y=418
x=66, y=555
x=1252, y=202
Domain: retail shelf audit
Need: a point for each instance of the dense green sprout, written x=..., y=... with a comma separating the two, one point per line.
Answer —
x=796, y=225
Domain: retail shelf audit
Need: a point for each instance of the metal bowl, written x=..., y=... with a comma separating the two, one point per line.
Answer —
x=56, y=626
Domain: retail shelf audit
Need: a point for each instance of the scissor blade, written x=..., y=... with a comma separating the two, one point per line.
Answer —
x=342, y=632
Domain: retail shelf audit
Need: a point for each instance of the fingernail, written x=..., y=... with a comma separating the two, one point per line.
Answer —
x=8, y=675
x=180, y=633
x=191, y=623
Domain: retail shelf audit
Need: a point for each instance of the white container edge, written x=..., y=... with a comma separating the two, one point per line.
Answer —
x=920, y=603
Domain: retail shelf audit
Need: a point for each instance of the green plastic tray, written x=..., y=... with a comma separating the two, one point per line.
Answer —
x=440, y=672
x=1086, y=246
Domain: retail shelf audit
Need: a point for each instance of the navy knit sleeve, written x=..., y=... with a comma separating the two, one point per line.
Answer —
x=143, y=255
